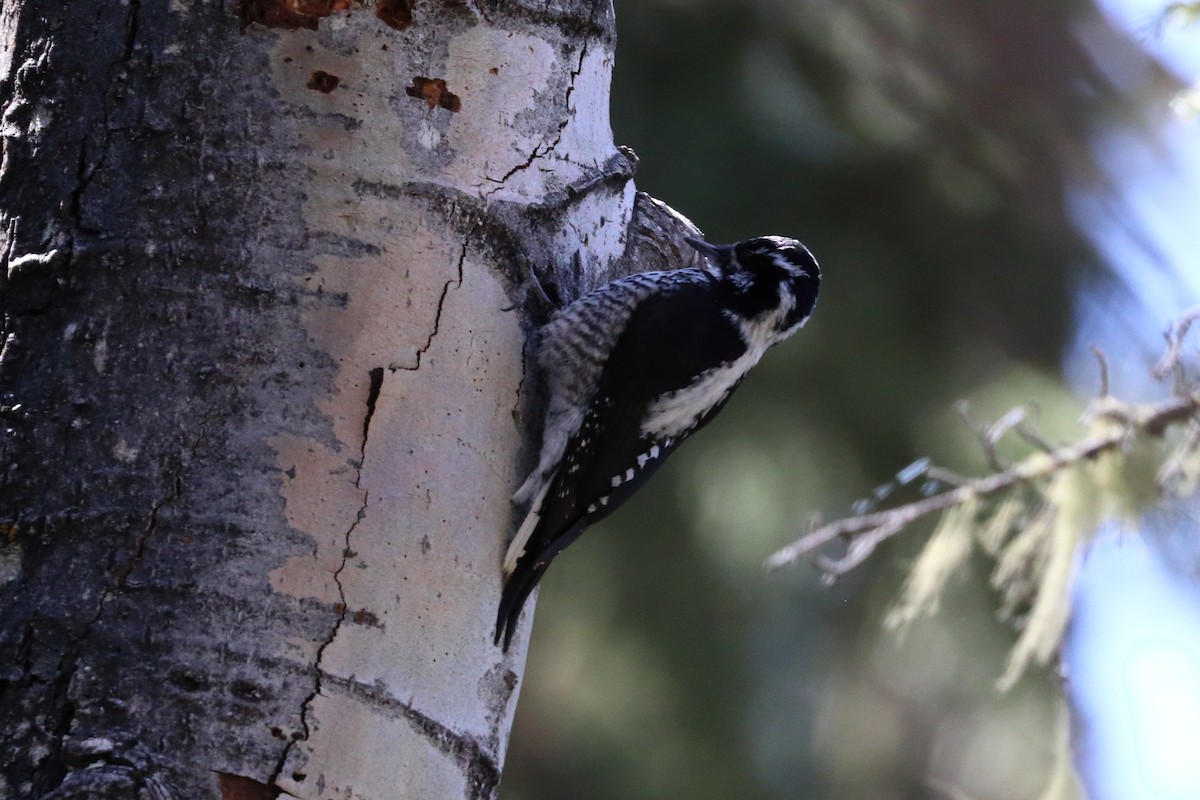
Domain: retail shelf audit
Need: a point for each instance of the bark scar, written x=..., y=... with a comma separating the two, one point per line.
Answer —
x=479, y=765
x=434, y=92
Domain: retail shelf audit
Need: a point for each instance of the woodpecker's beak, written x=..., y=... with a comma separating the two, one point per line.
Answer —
x=719, y=255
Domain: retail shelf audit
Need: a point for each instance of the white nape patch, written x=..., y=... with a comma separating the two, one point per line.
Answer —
x=517, y=548
x=676, y=413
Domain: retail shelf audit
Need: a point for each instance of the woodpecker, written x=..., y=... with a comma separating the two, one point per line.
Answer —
x=634, y=368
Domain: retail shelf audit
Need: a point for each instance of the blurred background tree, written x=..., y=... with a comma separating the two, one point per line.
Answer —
x=931, y=155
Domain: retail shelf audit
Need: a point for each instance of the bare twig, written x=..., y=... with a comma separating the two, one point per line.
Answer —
x=1000, y=428
x=1033, y=437
x=962, y=408
x=1102, y=360
x=943, y=475
x=867, y=531
x=1175, y=335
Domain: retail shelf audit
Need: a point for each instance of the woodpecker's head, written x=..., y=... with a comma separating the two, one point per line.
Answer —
x=768, y=274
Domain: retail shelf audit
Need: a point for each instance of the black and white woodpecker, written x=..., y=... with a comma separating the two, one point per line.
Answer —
x=634, y=368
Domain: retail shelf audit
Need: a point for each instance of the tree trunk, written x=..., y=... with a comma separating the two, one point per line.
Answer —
x=262, y=404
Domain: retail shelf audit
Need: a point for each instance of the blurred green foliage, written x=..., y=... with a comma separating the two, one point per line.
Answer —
x=927, y=153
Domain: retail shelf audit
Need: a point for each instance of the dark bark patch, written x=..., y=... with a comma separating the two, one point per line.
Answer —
x=369, y=618
x=434, y=92
x=396, y=13
x=323, y=81
x=187, y=679
x=288, y=14
x=238, y=787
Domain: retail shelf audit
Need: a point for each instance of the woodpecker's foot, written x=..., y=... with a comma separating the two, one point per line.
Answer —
x=531, y=284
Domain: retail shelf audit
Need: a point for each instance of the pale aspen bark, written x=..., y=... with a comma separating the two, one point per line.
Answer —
x=263, y=405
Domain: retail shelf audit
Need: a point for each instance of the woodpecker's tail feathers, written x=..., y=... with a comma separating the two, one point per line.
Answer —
x=516, y=591
x=524, y=577
x=517, y=547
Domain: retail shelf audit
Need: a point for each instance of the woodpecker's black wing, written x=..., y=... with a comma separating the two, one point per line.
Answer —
x=671, y=339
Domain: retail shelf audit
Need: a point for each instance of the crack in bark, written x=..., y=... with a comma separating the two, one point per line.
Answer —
x=437, y=317
x=83, y=175
x=543, y=150
x=375, y=386
x=176, y=494
x=131, y=30
x=319, y=675
x=60, y=685
x=521, y=383
x=481, y=770
x=139, y=547
x=83, y=178
x=534, y=156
